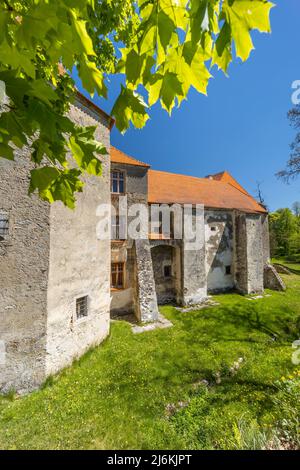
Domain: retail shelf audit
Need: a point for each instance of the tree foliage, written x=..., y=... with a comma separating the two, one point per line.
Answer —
x=162, y=47
x=285, y=233
x=292, y=169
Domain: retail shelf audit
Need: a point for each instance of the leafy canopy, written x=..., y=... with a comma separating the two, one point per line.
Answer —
x=163, y=47
x=292, y=169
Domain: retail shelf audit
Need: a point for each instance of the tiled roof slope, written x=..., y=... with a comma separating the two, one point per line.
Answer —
x=171, y=188
x=116, y=156
x=227, y=178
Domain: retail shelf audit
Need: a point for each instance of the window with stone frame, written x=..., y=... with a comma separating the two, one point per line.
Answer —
x=81, y=307
x=117, y=275
x=117, y=182
x=4, y=226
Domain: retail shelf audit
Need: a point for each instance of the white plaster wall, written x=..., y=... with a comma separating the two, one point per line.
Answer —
x=122, y=300
x=79, y=266
x=219, y=250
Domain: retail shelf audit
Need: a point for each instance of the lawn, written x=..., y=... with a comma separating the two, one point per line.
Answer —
x=201, y=384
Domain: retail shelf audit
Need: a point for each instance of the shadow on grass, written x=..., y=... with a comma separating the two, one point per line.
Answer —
x=238, y=322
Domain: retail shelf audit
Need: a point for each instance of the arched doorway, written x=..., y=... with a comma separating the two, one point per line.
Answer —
x=166, y=269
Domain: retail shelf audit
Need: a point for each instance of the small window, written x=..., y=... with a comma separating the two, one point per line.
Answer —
x=118, y=227
x=117, y=182
x=117, y=275
x=4, y=226
x=228, y=270
x=115, y=227
x=167, y=271
x=81, y=307
x=213, y=229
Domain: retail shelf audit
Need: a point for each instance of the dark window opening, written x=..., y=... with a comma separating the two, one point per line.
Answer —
x=117, y=275
x=213, y=229
x=117, y=182
x=167, y=271
x=228, y=270
x=81, y=307
x=4, y=226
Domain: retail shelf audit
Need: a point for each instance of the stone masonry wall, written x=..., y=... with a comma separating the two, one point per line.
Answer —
x=166, y=287
x=146, y=301
x=219, y=250
x=138, y=294
x=249, y=263
x=194, y=279
x=24, y=265
x=79, y=263
x=266, y=239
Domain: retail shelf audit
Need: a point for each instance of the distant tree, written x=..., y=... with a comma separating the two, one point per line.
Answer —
x=293, y=165
x=284, y=233
x=296, y=208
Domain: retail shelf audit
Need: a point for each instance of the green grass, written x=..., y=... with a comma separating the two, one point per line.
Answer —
x=118, y=395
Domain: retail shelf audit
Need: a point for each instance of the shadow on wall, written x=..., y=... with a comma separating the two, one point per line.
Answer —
x=219, y=253
x=166, y=269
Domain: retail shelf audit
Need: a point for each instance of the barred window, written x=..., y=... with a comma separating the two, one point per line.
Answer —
x=81, y=307
x=117, y=275
x=4, y=226
x=117, y=182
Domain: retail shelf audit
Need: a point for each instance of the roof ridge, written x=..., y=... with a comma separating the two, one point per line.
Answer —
x=181, y=174
x=130, y=157
x=160, y=180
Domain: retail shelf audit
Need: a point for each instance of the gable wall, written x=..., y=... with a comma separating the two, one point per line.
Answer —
x=79, y=263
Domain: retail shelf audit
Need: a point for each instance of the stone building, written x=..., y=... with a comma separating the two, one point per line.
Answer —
x=54, y=272
x=160, y=269
x=60, y=281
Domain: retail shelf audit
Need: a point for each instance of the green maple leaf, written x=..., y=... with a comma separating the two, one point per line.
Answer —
x=91, y=77
x=243, y=16
x=222, y=55
x=165, y=87
x=129, y=107
x=6, y=151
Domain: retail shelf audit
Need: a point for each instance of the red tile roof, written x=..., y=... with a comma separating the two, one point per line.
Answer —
x=171, y=188
x=227, y=178
x=219, y=191
x=116, y=156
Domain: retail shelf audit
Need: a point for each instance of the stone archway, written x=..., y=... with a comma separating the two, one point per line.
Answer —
x=167, y=273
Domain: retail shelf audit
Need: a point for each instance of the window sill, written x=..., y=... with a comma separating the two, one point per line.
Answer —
x=117, y=289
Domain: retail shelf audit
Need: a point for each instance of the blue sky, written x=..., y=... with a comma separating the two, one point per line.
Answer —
x=241, y=126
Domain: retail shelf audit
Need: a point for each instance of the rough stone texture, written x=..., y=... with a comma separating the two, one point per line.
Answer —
x=166, y=287
x=160, y=324
x=282, y=269
x=146, y=305
x=219, y=250
x=50, y=258
x=138, y=294
x=79, y=264
x=272, y=280
x=265, y=239
x=24, y=264
x=194, y=279
x=249, y=277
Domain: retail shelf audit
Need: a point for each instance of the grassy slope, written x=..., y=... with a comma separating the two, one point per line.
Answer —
x=116, y=396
